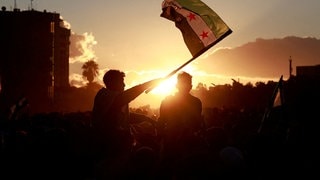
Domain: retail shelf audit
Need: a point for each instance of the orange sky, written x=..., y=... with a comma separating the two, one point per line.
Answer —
x=131, y=36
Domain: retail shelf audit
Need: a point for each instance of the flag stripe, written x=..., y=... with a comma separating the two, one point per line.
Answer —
x=214, y=22
x=199, y=27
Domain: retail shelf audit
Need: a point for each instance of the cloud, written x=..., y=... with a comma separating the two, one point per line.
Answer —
x=264, y=58
x=210, y=52
x=259, y=61
x=64, y=23
x=81, y=47
x=81, y=51
x=77, y=80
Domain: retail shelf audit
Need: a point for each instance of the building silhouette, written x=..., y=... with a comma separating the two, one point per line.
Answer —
x=34, y=58
x=309, y=71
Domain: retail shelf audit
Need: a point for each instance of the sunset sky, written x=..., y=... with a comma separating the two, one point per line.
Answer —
x=131, y=36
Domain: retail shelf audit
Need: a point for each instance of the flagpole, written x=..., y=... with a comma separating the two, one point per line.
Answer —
x=173, y=72
x=193, y=58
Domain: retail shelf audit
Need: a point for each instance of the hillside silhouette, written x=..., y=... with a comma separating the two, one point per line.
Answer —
x=267, y=58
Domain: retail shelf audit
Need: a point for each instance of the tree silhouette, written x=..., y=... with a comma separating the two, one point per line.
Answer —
x=90, y=70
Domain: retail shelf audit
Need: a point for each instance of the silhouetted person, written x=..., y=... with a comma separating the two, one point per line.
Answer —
x=111, y=121
x=179, y=123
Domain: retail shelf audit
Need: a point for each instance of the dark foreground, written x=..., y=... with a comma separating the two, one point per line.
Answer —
x=60, y=146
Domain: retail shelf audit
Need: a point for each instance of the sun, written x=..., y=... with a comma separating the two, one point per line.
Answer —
x=167, y=87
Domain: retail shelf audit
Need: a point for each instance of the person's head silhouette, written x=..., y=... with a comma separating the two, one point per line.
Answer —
x=114, y=80
x=184, y=82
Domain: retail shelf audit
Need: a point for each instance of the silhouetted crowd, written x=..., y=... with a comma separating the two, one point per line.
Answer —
x=60, y=146
x=278, y=142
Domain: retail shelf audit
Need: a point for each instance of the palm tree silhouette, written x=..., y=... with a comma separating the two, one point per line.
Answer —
x=90, y=70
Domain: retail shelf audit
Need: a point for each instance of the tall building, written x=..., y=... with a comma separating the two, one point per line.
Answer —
x=34, y=57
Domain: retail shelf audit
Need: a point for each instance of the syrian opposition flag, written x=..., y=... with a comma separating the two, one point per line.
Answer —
x=201, y=27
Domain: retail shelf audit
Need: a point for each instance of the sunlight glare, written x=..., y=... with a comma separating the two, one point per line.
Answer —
x=166, y=88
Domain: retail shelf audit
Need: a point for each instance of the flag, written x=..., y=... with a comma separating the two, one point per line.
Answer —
x=277, y=98
x=276, y=102
x=200, y=26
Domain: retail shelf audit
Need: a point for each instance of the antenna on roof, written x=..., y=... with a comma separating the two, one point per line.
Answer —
x=15, y=9
x=290, y=66
x=15, y=4
x=31, y=6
